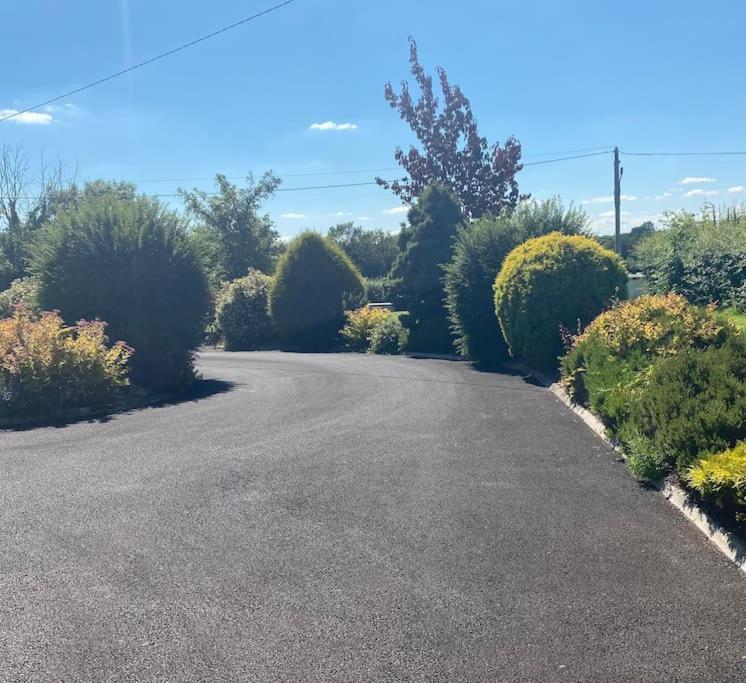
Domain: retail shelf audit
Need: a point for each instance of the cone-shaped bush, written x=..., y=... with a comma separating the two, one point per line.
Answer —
x=549, y=283
x=314, y=284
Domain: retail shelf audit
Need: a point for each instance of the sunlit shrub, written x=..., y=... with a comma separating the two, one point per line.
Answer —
x=549, y=283
x=360, y=323
x=722, y=477
x=610, y=359
x=46, y=366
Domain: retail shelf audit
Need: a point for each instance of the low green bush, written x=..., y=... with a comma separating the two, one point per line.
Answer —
x=24, y=291
x=46, y=367
x=314, y=285
x=478, y=252
x=242, y=313
x=388, y=336
x=692, y=404
x=610, y=360
x=549, y=283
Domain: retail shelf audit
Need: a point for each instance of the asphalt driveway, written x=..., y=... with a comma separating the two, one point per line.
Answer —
x=347, y=517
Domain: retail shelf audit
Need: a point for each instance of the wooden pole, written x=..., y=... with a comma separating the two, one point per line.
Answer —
x=617, y=201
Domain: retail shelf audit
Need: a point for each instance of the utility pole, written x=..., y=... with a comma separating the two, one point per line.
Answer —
x=617, y=199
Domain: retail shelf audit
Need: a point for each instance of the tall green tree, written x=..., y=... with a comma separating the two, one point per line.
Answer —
x=372, y=251
x=426, y=246
x=230, y=235
x=482, y=176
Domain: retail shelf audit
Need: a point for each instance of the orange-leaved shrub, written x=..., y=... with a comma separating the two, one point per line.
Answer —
x=47, y=366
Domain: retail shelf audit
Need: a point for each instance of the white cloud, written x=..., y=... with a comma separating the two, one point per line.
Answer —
x=332, y=125
x=610, y=214
x=608, y=199
x=363, y=218
x=339, y=214
x=737, y=188
x=692, y=180
x=33, y=118
x=396, y=210
x=664, y=195
x=699, y=192
x=293, y=215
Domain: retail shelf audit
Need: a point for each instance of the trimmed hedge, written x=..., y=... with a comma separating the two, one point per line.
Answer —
x=314, y=285
x=478, y=253
x=549, y=283
x=242, y=313
x=129, y=262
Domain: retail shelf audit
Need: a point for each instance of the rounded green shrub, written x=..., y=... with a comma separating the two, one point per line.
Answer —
x=130, y=263
x=478, y=253
x=549, y=283
x=314, y=285
x=693, y=404
x=388, y=336
x=242, y=313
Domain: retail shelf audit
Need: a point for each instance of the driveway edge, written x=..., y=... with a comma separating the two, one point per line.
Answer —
x=726, y=542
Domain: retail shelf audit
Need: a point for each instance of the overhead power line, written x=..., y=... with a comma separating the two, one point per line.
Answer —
x=162, y=55
x=577, y=156
x=681, y=154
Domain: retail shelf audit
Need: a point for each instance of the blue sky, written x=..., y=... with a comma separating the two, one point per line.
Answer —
x=647, y=75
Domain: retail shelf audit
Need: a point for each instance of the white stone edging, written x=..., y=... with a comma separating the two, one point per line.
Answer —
x=726, y=542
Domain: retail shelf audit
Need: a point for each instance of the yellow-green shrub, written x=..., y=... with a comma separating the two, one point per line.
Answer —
x=609, y=360
x=46, y=366
x=722, y=477
x=549, y=283
x=360, y=324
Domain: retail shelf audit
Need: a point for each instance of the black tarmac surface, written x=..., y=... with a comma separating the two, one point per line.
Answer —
x=344, y=518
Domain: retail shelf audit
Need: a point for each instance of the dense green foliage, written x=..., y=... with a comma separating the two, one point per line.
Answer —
x=314, y=285
x=242, y=313
x=23, y=291
x=46, y=367
x=129, y=262
x=478, y=253
x=610, y=360
x=388, y=336
x=549, y=283
x=426, y=246
x=230, y=236
x=692, y=404
x=372, y=251
x=703, y=258
x=381, y=289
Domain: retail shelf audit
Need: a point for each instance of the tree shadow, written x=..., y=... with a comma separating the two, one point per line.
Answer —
x=200, y=390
